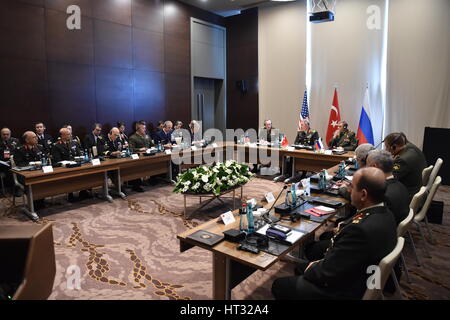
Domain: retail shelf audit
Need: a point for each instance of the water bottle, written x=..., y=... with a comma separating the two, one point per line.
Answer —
x=159, y=146
x=341, y=172
x=250, y=220
x=288, y=199
x=243, y=222
x=294, y=195
x=86, y=155
x=44, y=161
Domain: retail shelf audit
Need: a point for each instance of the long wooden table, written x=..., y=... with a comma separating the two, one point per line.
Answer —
x=230, y=265
x=39, y=185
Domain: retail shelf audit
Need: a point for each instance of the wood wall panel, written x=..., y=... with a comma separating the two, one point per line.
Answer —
x=72, y=95
x=242, y=64
x=112, y=45
x=148, y=15
x=149, y=97
x=64, y=45
x=22, y=32
x=114, y=92
x=130, y=61
x=117, y=11
x=148, y=50
x=62, y=5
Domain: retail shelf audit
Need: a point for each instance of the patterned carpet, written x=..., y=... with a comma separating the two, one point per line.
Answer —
x=128, y=249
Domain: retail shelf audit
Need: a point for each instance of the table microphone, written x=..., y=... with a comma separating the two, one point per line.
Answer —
x=266, y=216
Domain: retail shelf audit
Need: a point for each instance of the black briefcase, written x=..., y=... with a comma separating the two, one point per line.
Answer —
x=435, y=212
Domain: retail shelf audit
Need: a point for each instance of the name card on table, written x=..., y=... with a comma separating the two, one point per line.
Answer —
x=227, y=217
x=328, y=152
x=269, y=197
x=214, y=145
x=290, y=148
x=95, y=162
x=168, y=151
x=135, y=156
x=47, y=169
x=193, y=148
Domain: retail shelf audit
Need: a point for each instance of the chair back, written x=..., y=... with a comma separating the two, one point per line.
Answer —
x=385, y=269
x=419, y=216
x=426, y=175
x=418, y=200
x=434, y=173
x=403, y=226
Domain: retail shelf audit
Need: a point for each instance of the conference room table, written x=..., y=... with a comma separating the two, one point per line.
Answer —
x=39, y=185
x=231, y=266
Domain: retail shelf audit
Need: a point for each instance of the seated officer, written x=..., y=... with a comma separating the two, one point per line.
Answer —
x=113, y=145
x=368, y=238
x=94, y=141
x=30, y=151
x=66, y=149
x=268, y=132
x=45, y=140
x=7, y=144
x=409, y=161
x=139, y=143
x=123, y=137
x=7, y=147
x=164, y=136
x=74, y=138
x=397, y=197
x=343, y=138
x=306, y=136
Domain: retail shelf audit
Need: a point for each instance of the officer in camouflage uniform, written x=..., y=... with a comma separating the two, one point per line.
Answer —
x=306, y=136
x=409, y=161
x=343, y=138
x=140, y=141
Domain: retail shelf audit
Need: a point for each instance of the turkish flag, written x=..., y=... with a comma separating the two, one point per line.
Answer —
x=335, y=117
x=284, y=142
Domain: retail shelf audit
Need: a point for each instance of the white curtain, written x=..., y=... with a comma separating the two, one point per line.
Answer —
x=282, y=61
x=347, y=54
x=418, y=77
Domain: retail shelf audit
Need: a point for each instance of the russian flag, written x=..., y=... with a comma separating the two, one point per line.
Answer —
x=365, y=131
x=318, y=145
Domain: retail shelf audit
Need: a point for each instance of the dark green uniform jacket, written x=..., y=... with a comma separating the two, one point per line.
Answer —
x=346, y=139
x=307, y=138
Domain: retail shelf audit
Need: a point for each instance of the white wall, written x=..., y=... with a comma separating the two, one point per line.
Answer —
x=282, y=60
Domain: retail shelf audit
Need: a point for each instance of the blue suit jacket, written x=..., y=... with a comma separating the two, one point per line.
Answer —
x=163, y=137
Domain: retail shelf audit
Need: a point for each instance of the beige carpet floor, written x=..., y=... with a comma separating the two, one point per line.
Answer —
x=128, y=249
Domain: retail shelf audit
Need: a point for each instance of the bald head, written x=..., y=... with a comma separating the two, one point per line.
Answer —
x=368, y=187
x=30, y=138
x=65, y=134
x=6, y=134
x=114, y=133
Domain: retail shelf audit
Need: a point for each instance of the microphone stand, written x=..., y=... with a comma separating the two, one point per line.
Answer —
x=266, y=216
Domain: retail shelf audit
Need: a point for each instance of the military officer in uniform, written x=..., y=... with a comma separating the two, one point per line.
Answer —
x=306, y=136
x=343, y=138
x=66, y=148
x=140, y=141
x=74, y=138
x=113, y=145
x=368, y=238
x=122, y=137
x=7, y=144
x=30, y=151
x=409, y=161
x=268, y=132
x=45, y=140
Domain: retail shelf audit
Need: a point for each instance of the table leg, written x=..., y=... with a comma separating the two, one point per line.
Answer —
x=119, y=185
x=30, y=213
x=221, y=276
x=185, y=206
x=105, y=188
x=234, y=199
x=293, y=167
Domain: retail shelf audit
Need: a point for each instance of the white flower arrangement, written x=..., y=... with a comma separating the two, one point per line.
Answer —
x=215, y=179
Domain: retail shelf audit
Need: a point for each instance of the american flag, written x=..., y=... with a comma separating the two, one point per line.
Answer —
x=304, y=113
